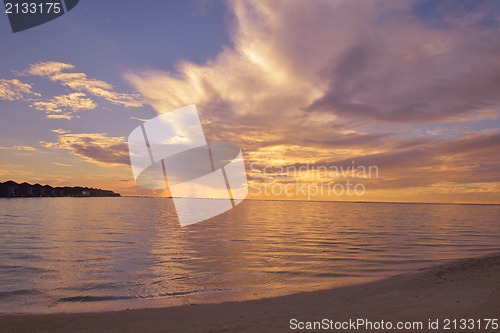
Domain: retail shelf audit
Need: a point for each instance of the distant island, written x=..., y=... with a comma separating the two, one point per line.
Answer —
x=11, y=189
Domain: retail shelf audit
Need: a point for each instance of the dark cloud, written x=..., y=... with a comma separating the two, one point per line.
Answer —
x=403, y=71
x=94, y=147
x=114, y=154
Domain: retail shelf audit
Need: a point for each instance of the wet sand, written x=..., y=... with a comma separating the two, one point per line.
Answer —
x=468, y=288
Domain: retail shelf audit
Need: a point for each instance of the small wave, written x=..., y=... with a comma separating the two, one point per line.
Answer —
x=28, y=269
x=337, y=275
x=91, y=286
x=178, y=293
x=182, y=278
x=88, y=298
x=179, y=258
x=285, y=272
x=19, y=292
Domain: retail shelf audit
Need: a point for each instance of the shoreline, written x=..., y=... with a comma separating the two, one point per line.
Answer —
x=465, y=288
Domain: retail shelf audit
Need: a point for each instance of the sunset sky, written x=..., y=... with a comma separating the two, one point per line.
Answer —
x=409, y=87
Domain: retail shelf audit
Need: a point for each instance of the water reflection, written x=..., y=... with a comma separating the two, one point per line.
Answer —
x=74, y=254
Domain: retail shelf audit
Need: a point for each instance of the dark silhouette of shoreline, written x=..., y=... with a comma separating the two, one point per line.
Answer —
x=11, y=189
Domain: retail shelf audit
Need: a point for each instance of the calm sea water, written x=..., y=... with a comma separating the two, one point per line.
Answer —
x=92, y=254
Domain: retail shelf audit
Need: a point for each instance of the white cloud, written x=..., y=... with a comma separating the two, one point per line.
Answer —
x=79, y=82
x=62, y=115
x=14, y=89
x=63, y=107
x=48, y=68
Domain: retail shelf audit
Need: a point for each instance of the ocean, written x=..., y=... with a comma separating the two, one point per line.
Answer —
x=95, y=254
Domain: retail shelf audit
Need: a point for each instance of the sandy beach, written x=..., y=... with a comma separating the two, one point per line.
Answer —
x=464, y=289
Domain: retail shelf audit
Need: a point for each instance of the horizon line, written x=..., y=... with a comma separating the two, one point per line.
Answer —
x=339, y=201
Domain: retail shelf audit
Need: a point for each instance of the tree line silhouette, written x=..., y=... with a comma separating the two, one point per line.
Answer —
x=11, y=189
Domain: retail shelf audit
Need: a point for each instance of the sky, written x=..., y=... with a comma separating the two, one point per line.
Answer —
x=328, y=100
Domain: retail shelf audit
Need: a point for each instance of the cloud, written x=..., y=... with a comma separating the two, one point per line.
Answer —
x=375, y=79
x=382, y=63
x=48, y=68
x=79, y=82
x=63, y=115
x=62, y=164
x=19, y=148
x=65, y=105
x=96, y=148
x=431, y=161
x=397, y=67
x=330, y=82
x=14, y=89
x=60, y=131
